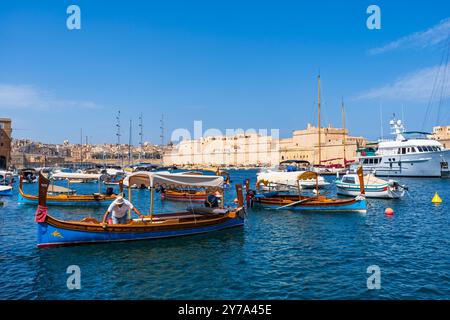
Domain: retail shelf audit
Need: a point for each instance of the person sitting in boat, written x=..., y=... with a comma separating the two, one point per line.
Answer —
x=119, y=211
x=212, y=201
x=109, y=191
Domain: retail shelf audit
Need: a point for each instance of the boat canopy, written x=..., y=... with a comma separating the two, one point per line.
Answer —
x=154, y=179
x=76, y=175
x=305, y=162
x=307, y=175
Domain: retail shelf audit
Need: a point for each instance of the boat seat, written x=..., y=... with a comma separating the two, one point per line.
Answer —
x=90, y=220
x=205, y=210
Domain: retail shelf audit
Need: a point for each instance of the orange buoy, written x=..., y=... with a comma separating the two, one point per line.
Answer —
x=389, y=212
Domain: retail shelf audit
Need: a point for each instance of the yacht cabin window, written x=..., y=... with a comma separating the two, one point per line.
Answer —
x=349, y=179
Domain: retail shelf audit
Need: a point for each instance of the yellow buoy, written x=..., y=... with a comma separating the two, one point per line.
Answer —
x=436, y=198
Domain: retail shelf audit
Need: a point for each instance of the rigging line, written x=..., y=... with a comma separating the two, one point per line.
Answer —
x=433, y=91
x=444, y=82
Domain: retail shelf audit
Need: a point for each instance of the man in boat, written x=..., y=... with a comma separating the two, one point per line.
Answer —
x=212, y=201
x=119, y=211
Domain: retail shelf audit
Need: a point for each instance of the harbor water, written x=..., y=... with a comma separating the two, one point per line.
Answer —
x=276, y=255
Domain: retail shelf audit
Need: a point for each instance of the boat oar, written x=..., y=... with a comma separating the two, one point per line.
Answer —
x=301, y=201
x=296, y=202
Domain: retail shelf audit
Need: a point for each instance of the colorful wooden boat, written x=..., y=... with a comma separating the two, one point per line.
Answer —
x=54, y=232
x=184, y=195
x=306, y=203
x=68, y=199
x=318, y=203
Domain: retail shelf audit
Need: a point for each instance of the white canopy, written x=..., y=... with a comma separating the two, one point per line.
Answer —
x=152, y=179
x=76, y=175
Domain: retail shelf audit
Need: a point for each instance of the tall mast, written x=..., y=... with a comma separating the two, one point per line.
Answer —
x=118, y=135
x=162, y=130
x=81, y=146
x=129, y=143
x=318, y=122
x=381, y=120
x=343, y=129
x=141, y=136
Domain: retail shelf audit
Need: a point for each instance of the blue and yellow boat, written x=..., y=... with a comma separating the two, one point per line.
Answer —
x=317, y=203
x=53, y=232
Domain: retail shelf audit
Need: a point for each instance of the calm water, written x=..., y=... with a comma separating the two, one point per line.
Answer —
x=277, y=255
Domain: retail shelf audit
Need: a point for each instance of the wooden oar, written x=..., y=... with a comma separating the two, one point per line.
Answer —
x=297, y=202
x=301, y=201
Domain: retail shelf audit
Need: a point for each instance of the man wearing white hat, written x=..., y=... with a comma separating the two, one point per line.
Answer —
x=119, y=210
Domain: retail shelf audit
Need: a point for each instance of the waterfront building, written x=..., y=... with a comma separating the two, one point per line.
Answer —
x=303, y=145
x=442, y=134
x=244, y=149
x=5, y=142
x=259, y=150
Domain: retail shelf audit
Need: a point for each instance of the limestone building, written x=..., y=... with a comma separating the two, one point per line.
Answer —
x=5, y=142
x=442, y=134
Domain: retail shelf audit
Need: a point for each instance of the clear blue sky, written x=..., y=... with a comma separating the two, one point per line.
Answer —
x=232, y=64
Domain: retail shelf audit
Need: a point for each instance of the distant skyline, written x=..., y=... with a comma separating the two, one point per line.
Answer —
x=230, y=64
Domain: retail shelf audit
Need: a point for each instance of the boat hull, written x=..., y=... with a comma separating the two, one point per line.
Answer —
x=424, y=164
x=181, y=196
x=66, y=200
x=56, y=233
x=383, y=192
x=6, y=191
x=339, y=205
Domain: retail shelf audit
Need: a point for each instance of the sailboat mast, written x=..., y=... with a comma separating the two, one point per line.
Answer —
x=343, y=130
x=119, y=150
x=318, y=121
x=141, y=136
x=129, y=145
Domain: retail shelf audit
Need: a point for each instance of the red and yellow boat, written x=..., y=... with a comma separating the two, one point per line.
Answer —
x=67, y=199
x=184, y=195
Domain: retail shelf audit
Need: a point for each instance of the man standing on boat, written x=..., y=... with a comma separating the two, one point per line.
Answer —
x=119, y=211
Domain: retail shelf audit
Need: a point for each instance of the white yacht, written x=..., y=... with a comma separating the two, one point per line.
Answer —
x=406, y=157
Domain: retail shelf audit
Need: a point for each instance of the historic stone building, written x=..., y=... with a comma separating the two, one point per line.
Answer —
x=254, y=149
x=237, y=150
x=304, y=145
x=442, y=134
x=5, y=142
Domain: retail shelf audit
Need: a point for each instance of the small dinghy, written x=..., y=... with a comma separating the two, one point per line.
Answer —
x=5, y=190
x=374, y=187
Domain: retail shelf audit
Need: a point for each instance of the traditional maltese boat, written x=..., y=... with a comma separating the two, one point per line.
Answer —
x=374, y=187
x=66, y=199
x=53, y=232
x=184, y=195
x=317, y=203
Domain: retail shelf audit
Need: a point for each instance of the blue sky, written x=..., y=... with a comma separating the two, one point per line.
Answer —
x=231, y=64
